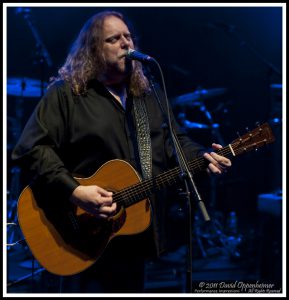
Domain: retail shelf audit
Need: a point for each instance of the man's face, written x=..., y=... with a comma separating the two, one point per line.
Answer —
x=117, y=40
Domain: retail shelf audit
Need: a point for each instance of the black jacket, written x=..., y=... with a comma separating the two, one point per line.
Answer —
x=70, y=135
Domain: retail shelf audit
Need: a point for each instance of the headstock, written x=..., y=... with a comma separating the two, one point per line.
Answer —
x=254, y=139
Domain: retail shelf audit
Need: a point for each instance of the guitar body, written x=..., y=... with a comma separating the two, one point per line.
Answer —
x=70, y=251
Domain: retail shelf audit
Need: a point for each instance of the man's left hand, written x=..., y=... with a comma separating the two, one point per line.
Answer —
x=217, y=164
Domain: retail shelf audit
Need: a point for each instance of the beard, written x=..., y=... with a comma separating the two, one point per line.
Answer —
x=119, y=71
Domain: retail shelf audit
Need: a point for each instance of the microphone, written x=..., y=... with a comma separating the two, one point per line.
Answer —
x=135, y=55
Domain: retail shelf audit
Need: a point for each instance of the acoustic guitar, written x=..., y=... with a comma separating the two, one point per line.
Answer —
x=67, y=241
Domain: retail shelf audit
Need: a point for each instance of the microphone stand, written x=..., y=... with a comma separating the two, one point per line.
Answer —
x=215, y=130
x=185, y=175
x=42, y=52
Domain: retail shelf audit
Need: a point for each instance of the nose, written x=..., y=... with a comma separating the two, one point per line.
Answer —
x=125, y=43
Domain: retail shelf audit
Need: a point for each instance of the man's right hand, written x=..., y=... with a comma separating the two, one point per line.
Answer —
x=95, y=200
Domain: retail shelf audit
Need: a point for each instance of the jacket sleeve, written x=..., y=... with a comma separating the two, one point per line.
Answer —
x=38, y=151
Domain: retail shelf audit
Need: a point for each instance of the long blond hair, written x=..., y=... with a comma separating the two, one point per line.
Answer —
x=85, y=61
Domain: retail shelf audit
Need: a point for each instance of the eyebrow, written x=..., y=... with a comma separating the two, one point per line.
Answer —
x=112, y=36
x=117, y=35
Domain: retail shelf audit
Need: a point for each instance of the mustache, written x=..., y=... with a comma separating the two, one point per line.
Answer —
x=123, y=55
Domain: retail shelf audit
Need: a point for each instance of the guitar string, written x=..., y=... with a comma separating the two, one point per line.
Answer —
x=158, y=180
x=141, y=187
x=144, y=186
x=136, y=191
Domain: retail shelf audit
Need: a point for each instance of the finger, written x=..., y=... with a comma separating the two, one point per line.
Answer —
x=214, y=169
x=107, y=209
x=214, y=166
x=210, y=158
x=217, y=146
x=101, y=216
x=221, y=160
x=105, y=201
x=104, y=192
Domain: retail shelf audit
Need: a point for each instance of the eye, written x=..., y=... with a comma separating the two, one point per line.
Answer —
x=112, y=39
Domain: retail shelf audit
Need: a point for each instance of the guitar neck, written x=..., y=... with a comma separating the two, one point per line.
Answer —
x=144, y=189
x=256, y=138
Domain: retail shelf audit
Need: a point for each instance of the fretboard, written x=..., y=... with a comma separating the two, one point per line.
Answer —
x=145, y=188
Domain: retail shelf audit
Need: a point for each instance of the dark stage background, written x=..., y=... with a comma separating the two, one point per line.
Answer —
x=233, y=55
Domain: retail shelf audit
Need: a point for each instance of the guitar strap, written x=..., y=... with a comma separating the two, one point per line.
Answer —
x=143, y=137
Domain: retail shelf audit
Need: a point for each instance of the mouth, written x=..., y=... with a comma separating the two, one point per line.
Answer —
x=122, y=55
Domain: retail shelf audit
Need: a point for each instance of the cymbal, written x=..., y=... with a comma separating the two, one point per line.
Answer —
x=193, y=125
x=194, y=98
x=188, y=124
x=24, y=87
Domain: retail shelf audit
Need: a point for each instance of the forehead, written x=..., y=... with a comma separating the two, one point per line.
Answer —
x=112, y=25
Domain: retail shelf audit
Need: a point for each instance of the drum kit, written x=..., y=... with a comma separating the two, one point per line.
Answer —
x=194, y=98
x=214, y=234
x=24, y=87
x=22, y=90
x=197, y=99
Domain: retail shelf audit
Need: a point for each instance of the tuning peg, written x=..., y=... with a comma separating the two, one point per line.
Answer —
x=238, y=134
x=250, y=133
x=260, y=128
x=259, y=125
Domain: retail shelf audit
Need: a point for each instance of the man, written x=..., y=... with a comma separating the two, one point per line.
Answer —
x=90, y=115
